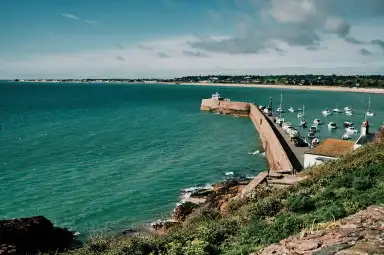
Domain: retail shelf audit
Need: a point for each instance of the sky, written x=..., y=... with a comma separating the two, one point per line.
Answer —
x=173, y=38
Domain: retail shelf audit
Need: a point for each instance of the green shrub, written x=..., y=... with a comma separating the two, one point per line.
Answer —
x=97, y=245
x=300, y=203
x=362, y=183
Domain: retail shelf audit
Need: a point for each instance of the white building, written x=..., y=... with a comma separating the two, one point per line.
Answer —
x=329, y=149
x=365, y=136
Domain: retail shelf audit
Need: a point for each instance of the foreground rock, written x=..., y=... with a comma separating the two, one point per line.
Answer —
x=358, y=234
x=163, y=226
x=32, y=235
x=183, y=210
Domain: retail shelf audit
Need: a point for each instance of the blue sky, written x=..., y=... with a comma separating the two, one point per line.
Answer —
x=167, y=38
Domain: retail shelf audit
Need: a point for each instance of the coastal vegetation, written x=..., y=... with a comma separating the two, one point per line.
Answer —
x=330, y=191
x=360, y=81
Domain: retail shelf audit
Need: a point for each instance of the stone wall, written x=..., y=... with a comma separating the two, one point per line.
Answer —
x=276, y=155
x=277, y=151
x=225, y=107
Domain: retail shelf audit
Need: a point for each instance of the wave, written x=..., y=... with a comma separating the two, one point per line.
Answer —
x=186, y=193
x=254, y=152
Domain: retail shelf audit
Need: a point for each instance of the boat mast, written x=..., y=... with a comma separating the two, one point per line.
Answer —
x=281, y=101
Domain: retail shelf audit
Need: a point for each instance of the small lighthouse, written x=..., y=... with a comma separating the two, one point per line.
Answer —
x=365, y=136
x=364, y=128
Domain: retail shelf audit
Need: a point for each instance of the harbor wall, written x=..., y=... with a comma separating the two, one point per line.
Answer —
x=278, y=153
x=225, y=107
x=273, y=142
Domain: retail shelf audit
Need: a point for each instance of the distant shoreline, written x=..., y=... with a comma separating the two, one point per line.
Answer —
x=282, y=86
x=242, y=85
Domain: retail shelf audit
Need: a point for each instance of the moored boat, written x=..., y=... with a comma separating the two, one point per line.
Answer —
x=349, y=113
x=279, y=120
x=315, y=141
x=317, y=122
x=369, y=112
x=286, y=125
x=337, y=110
x=311, y=135
x=351, y=130
x=301, y=114
x=303, y=123
x=280, y=108
x=291, y=109
x=326, y=112
x=345, y=136
x=313, y=129
x=332, y=125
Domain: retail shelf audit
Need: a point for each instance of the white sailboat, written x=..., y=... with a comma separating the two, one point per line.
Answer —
x=351, y=130
x=301, y=114
x=326, y=112
x=280, y=109
x=349, y=113
x=369, y=112
x=337, y=110
x=332, y=125
x=345, y=136
x=303, y=122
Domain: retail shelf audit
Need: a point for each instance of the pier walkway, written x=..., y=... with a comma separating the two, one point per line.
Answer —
x=297, y=151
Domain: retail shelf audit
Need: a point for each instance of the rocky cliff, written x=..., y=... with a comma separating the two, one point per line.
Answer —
x=33, y=235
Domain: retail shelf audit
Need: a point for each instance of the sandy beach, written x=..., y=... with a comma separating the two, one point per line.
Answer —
x=282, y=86
x=249, y=85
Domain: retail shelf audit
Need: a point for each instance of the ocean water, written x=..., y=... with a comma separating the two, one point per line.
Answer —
x=103, y=157
x=108, y=157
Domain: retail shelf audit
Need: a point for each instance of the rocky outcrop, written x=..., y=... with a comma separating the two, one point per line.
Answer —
x=32, y=235
x=359, y=234
x=162, y=227
x=223, y=192
x=183, y=210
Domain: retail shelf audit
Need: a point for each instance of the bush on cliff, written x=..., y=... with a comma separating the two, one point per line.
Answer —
x=331, y=191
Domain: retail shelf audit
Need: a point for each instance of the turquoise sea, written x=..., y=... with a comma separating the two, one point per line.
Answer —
x=113, y=156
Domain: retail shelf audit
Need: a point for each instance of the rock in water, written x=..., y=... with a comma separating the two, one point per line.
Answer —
x=32, y=235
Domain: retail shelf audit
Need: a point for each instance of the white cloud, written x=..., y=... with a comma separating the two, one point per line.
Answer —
x=335, y=56
x=291, y=10
x=69, y=16
x=91, y=22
